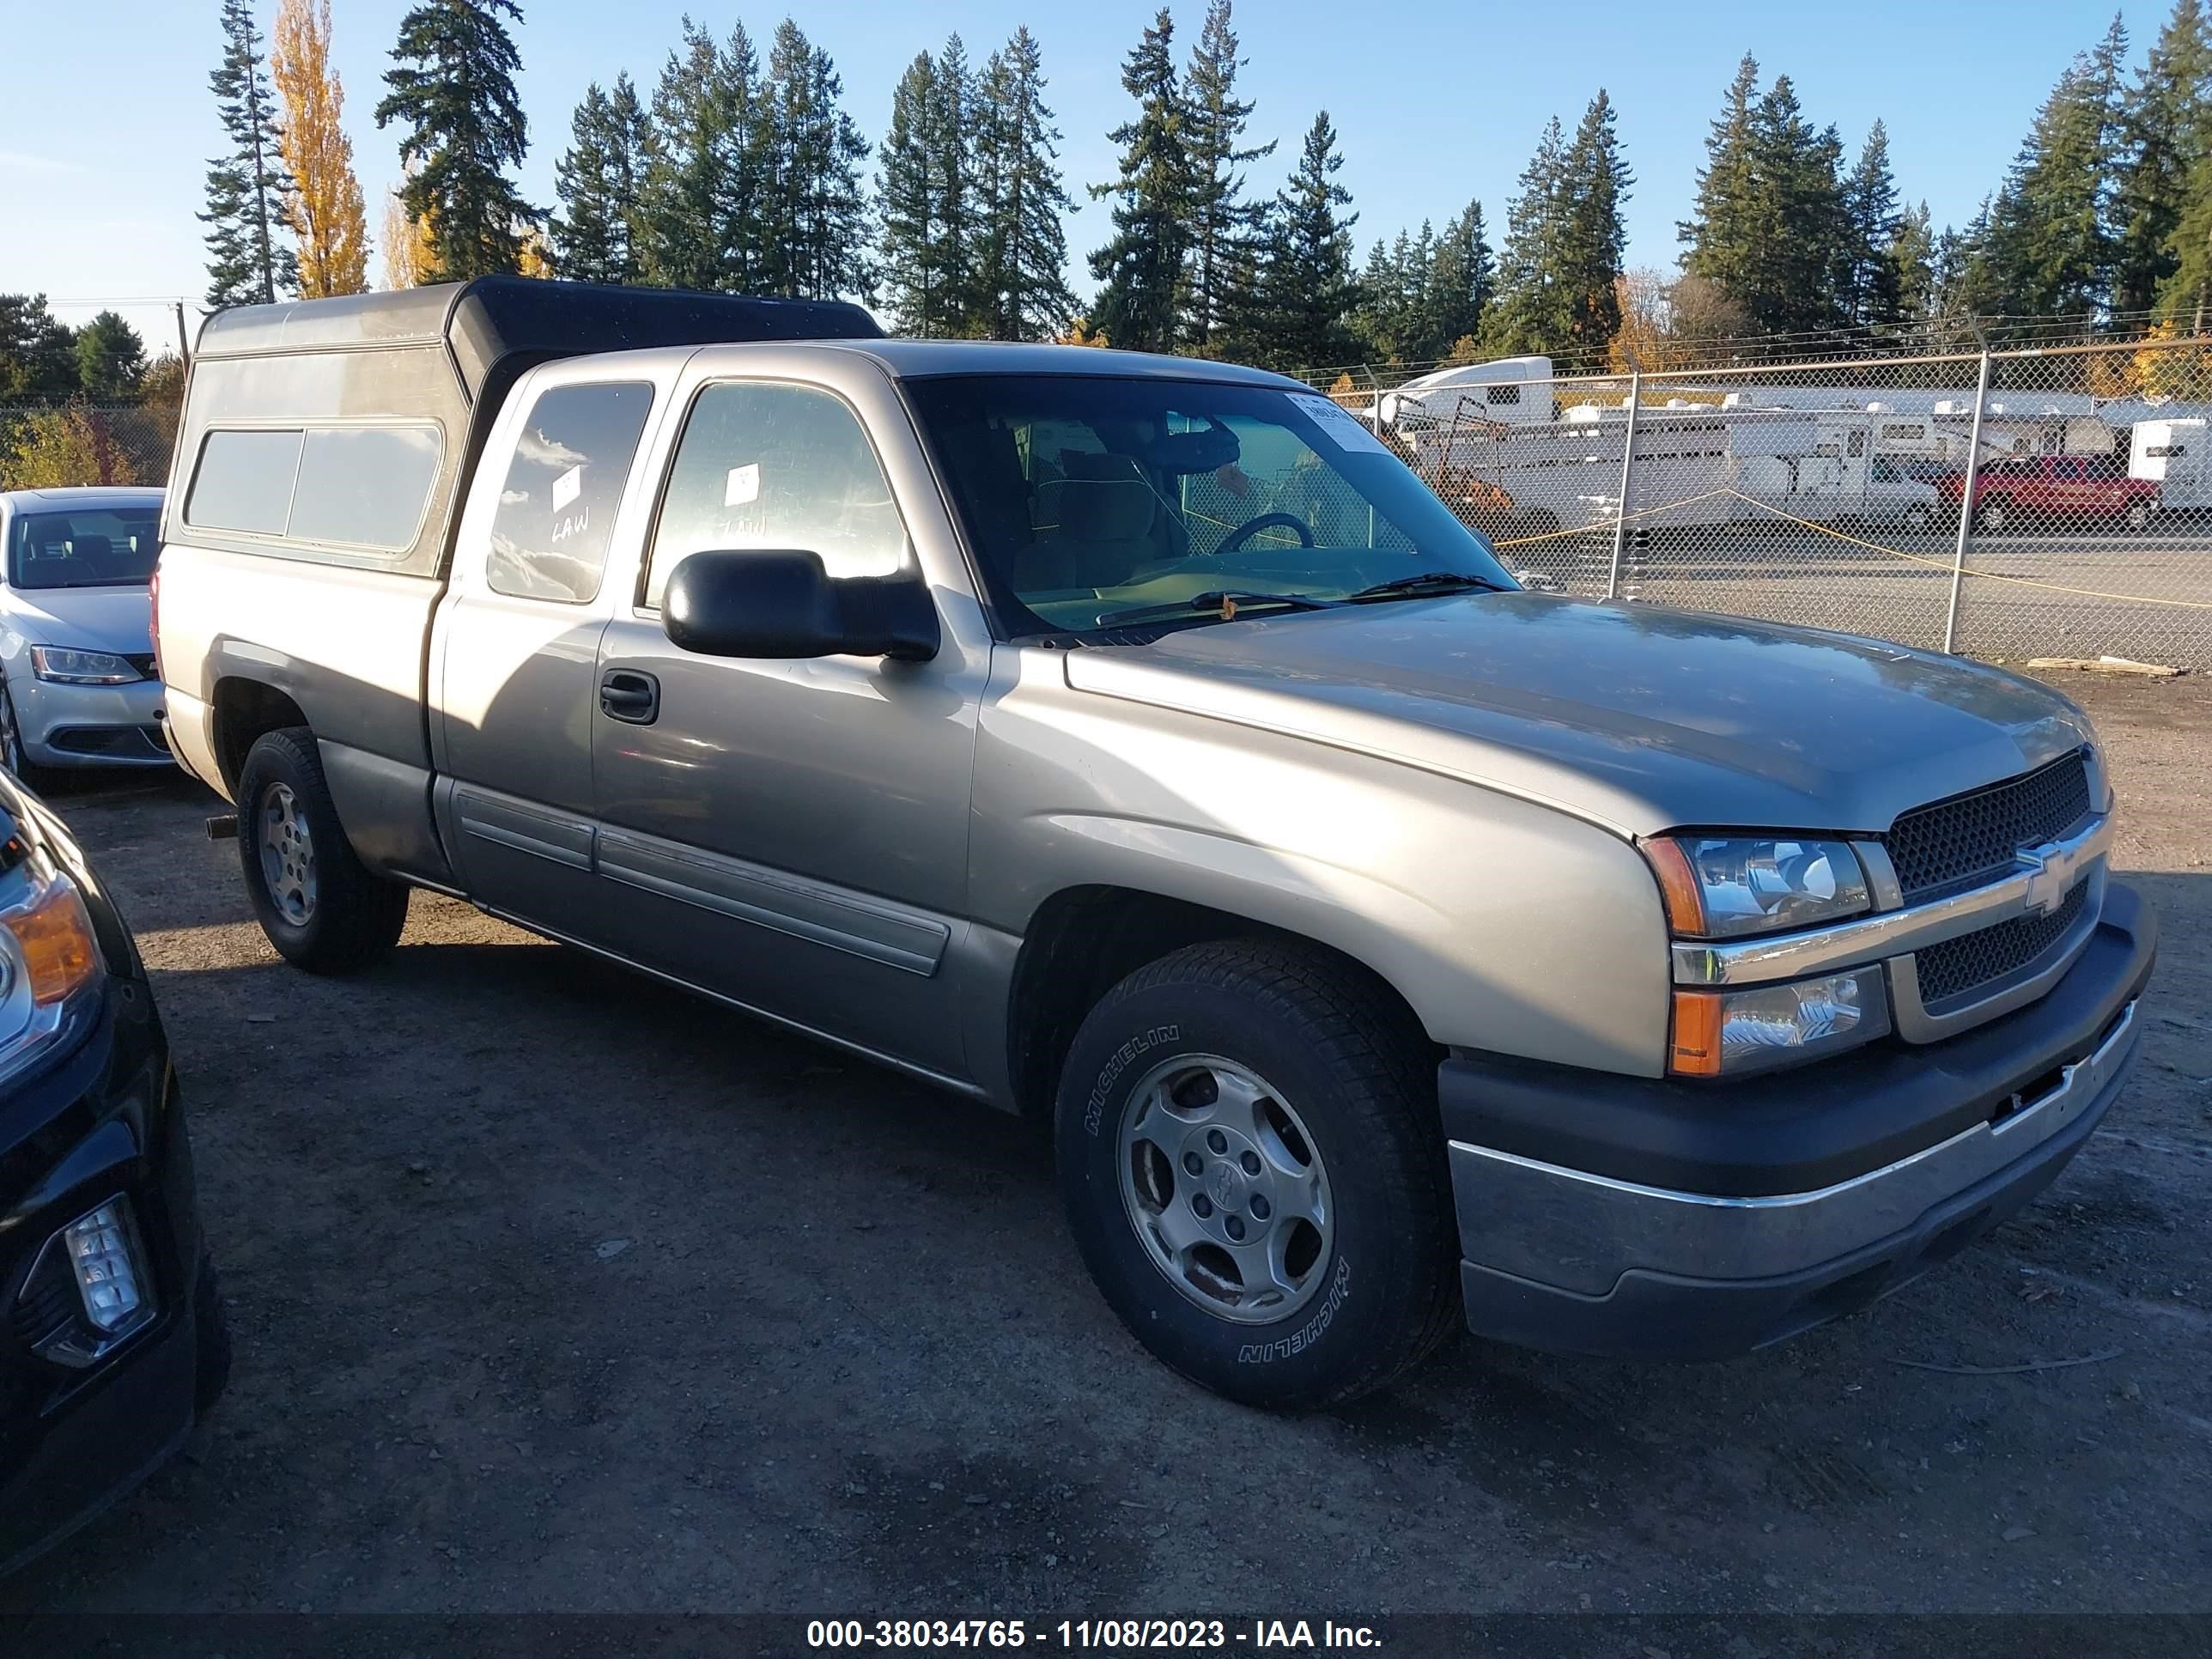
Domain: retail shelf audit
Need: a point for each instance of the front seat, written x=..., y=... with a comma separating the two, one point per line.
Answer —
x=1094, y=527
x=93, y=557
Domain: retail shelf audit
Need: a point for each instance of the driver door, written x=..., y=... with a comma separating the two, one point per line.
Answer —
x=791, y=835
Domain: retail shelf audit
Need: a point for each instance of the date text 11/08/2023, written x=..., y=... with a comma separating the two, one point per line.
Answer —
x=1106, y=1635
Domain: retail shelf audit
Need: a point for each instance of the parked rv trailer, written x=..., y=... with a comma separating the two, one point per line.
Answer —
x=1695, y=466
x=2172, y=454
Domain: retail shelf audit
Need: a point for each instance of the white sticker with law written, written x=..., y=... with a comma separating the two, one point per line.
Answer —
x=567, y=486
x=743, y=485
x=1349, y=432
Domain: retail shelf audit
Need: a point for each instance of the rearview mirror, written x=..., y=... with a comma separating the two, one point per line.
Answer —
x=785, y=605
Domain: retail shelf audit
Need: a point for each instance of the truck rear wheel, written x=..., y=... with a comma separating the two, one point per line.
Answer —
x=320, y=905
x=1248, y=1144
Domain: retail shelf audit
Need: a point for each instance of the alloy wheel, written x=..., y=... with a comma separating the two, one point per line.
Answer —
x=1225, y=1188
x=288, y=855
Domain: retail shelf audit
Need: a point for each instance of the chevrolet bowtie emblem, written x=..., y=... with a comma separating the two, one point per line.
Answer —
x=2052, y=871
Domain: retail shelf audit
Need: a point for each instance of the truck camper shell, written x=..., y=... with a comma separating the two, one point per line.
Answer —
x=381, y=401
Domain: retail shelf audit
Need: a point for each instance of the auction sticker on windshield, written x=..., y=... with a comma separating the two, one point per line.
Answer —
x=1349, y=432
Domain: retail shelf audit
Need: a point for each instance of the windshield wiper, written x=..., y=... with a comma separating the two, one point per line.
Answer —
x=1198, y=604
x=1423, y=583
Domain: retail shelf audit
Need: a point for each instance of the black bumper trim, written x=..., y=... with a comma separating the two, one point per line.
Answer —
x=1801, y=1130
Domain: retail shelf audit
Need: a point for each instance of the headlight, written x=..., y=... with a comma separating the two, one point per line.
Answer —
x=66, y=666
x=49, y=959
x=1726, y=886
x=1728, y=1033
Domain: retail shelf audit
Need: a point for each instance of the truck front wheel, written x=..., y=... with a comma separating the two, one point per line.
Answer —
x=1248, y=1144
x=320, y=905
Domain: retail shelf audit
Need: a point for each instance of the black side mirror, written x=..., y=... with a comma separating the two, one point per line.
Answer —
x=785, y=605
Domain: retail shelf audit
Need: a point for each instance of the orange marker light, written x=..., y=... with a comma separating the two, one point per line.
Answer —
x=1696, y=1049
x=1678, y=886
x=59, y=953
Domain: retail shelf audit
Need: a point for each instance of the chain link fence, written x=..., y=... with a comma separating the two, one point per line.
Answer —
x=2052, y=502
x=55, y=446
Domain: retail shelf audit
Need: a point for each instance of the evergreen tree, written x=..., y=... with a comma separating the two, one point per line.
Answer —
x=926, y=197
x=1587, y=268
x=247, y=193
x=38, y=354
x=1727, y=236
x=1771, y=226
x=1308, y=283
x=2167, y=135
x=111, y=358
x=1394, y=292
x=1558, y=280
x=1911, y=262
x=1022, y=255
x=1221, y=221
x=452, y=87
x=2049, y=250
x=1966, y=290
x=1462, y=275
x=1866, y=278
x=813, y=213
x=956, y=116
x=598, y=181
x=1141, y=270
x=909, y=203
x=1798, y=201
x=1525, y=317
x=697, y=223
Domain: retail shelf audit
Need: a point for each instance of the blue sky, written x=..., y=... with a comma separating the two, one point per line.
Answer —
x=103, y=150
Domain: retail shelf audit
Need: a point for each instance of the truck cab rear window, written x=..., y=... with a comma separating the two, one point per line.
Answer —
x=557, y=508
x=345, y=486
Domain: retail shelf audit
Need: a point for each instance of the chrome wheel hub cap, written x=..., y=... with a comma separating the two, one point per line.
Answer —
x=1225, y=1188
x=288, y=854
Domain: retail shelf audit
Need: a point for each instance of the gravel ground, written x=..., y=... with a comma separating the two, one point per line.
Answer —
x=555, y=1290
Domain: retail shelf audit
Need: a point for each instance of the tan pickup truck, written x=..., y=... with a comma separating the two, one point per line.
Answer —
x=1136, y=743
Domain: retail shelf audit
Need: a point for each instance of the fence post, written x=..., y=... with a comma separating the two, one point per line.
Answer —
x=1627, y=479
x=1967, y=505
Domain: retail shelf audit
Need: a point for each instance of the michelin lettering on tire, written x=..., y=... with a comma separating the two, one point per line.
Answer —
x=1144, y=1043
x=1264, y=1354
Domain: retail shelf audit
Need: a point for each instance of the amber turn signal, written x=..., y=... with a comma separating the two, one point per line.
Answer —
x=1679, y=887
x=1695, y=1048
x=55, y=936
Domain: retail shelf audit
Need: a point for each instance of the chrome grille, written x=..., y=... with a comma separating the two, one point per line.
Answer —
x=1969, y=839
x=1972, y=961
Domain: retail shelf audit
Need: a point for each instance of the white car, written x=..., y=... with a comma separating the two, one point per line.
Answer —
x=77, y=683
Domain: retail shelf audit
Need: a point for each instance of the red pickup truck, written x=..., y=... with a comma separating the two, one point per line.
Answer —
x=2025, y=492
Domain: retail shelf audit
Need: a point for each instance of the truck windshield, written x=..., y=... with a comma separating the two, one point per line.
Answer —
x=109, y=547
x=1092, y=501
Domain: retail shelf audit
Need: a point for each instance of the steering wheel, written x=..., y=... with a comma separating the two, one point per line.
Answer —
x=1237, y=538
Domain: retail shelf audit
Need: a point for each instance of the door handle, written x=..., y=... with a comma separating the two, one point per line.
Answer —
x=628, y=696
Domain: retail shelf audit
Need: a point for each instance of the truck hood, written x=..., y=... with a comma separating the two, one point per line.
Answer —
x=1635, y=717
x=118, y=619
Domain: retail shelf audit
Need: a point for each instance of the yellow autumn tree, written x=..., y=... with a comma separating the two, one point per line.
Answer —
x=326, y=202
x=408, y=247
x=533, y=258
x=63, y=449
x=1079, y=332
